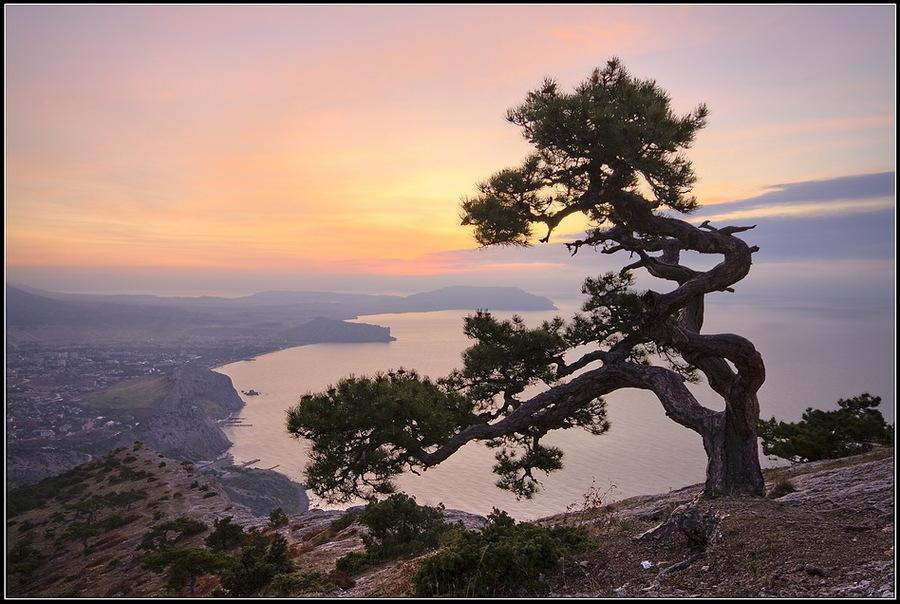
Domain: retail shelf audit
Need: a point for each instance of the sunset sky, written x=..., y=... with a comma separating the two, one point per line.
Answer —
x=188, y=150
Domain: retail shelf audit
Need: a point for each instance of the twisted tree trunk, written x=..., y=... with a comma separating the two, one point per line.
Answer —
x=733, y=367
x=672, y=321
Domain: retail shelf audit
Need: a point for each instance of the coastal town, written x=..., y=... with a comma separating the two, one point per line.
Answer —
x=46, y=384
x=64, y=353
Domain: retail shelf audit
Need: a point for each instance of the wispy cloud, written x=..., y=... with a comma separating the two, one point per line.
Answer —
x=846, y=195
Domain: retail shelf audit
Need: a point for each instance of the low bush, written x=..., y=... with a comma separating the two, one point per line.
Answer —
x=292, y=584
x=505, y=559
x=226, y=534
x=398, y=527
x=259, y=562
x=852, y=429
x=166, y=534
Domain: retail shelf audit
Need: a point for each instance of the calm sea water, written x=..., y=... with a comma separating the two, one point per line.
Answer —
x=643, y=453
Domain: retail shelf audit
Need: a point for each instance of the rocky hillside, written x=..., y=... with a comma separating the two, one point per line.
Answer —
x=194, y=384
x=182, y=425
x=826, y=530
x=60, y=561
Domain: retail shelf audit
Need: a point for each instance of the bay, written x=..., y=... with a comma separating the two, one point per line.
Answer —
x=812, y=360
x=633, y=458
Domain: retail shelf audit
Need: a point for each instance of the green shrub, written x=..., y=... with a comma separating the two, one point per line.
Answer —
x=112, y=522
x=503, y=559
x=258, y=563
x=127, y=473
x=288, y=584
x=110, y=463
x=165, y=534
x=26, y=526
x=852, y=429
x=226, y=535
x=355, y=562
x=343, y=521
x=23, y=559
x=398, y=527
x=28, y=497
x=185, y=564
x=278, y=519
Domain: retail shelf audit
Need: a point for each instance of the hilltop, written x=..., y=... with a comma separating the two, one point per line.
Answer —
x=826, y=530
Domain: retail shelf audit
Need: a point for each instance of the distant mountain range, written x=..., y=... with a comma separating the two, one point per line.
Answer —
x=457, y=297
x=33, y=313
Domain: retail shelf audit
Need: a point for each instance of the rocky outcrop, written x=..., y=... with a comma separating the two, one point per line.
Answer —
x=869, y=485
x=262, y=491
x=194, y=384
x=185, y=434
x=185, y=427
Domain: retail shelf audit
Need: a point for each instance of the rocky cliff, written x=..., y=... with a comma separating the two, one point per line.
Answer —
x=181, y=426
x=262, y=491
x=185, y=427
x=185, y=434
x=194, y=384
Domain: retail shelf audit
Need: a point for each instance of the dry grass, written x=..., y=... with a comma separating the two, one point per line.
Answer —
x=140, y=392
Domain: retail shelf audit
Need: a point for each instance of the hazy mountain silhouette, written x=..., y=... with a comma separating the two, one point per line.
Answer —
x=32, y=313
x=458, y=297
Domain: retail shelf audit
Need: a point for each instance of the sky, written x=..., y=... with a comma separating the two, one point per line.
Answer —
x=230, y=149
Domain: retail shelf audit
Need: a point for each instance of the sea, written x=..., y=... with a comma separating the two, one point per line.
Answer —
x=643, y=453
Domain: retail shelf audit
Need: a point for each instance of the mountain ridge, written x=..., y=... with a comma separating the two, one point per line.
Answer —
x=453, y=297
x=275, y=317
